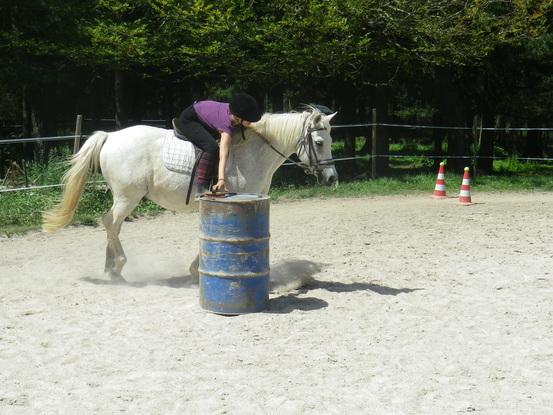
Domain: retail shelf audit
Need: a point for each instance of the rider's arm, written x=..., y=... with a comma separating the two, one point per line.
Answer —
x=224, y=147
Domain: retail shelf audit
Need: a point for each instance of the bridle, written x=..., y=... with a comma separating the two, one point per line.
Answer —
x=306, y=142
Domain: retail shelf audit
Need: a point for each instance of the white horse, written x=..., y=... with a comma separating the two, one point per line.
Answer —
x=131, y=162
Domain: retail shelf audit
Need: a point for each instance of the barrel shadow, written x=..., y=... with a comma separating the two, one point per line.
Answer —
x=340, y=287
x=291, y=302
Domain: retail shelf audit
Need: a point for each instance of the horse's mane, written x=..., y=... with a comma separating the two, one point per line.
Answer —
x=284, y=127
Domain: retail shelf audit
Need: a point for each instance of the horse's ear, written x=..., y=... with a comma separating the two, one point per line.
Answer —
x=329, y=117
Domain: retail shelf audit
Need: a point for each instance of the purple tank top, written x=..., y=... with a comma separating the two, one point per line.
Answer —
x=215, y=115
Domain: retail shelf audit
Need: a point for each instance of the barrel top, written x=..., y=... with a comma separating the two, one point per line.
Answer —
x=234, y=197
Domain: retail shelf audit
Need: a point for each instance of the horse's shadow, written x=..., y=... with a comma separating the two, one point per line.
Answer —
x=290, y=281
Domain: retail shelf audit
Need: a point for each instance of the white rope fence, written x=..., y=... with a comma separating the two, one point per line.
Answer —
x=437, y=127
x=79, y=137
x=40, y=139
x=419, y=156
x=366, y=157
x=409, y=126
x=48, y=186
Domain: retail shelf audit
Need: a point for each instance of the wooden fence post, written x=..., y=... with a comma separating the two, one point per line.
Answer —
x=78, y=133
x=24, y=166
x=373, y=145
x=477, y=122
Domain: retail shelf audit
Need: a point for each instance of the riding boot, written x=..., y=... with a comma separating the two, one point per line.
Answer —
x=204, y=174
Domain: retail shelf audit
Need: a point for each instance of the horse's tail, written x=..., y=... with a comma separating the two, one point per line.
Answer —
x=74, y=181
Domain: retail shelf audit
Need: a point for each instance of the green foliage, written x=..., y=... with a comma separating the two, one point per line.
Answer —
x=414, y=112
x=22, y=211
x=440, y=32
x=297, y=40
x=50, y=173
x=515, y=167
x=282, y=42
x=37, y=37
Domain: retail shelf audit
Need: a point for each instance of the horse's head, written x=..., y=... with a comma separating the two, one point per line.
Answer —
x=314, y=147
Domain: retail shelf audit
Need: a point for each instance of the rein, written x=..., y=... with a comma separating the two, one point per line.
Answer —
x=279, y=153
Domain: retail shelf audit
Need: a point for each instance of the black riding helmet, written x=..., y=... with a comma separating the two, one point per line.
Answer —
x=245, y=106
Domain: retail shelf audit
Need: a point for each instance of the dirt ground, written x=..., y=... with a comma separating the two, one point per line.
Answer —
x=415, y=306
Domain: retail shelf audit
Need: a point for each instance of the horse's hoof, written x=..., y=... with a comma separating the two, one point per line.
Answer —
x=116, y=278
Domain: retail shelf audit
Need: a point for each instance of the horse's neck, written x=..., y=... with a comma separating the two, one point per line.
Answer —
x=281, y=130
x=253, y=165
x=254, y=161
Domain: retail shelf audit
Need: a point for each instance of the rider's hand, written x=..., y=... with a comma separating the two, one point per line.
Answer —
x=220, y=186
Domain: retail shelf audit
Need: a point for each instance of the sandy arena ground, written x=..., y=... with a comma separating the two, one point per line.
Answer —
x=416, y=306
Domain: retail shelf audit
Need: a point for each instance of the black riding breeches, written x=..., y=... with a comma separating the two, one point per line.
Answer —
x=200, y=135
x=204, y=138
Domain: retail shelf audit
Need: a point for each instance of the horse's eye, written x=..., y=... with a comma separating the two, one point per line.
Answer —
x=319, y=142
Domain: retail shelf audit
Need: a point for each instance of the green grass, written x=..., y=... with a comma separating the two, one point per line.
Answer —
x=512, y=167
x=413, y=184
x=22, y=211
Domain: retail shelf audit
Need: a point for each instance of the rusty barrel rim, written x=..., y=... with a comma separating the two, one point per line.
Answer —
x=229, y=197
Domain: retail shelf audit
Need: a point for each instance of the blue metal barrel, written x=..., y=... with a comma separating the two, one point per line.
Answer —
x=234, y=253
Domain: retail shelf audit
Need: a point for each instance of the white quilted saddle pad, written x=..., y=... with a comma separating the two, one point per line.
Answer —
x=177, y=155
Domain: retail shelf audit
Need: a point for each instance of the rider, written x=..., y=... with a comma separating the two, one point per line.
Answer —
x=205, y=122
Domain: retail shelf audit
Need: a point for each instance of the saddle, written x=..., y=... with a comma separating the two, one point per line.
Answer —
x=177, y=128
x=179, y=154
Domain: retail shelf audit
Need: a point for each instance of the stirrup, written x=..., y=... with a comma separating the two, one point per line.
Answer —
x=201, y=189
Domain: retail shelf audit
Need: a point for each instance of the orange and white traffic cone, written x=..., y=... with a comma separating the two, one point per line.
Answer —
x=439, y=189
x=464, y=194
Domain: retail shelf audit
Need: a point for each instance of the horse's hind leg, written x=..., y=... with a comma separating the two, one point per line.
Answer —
x=115, y=255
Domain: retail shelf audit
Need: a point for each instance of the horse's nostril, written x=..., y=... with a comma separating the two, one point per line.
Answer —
x=331, y=179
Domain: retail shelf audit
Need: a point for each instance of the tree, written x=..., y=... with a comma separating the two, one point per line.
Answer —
x=37, y=38
x=440, y=38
